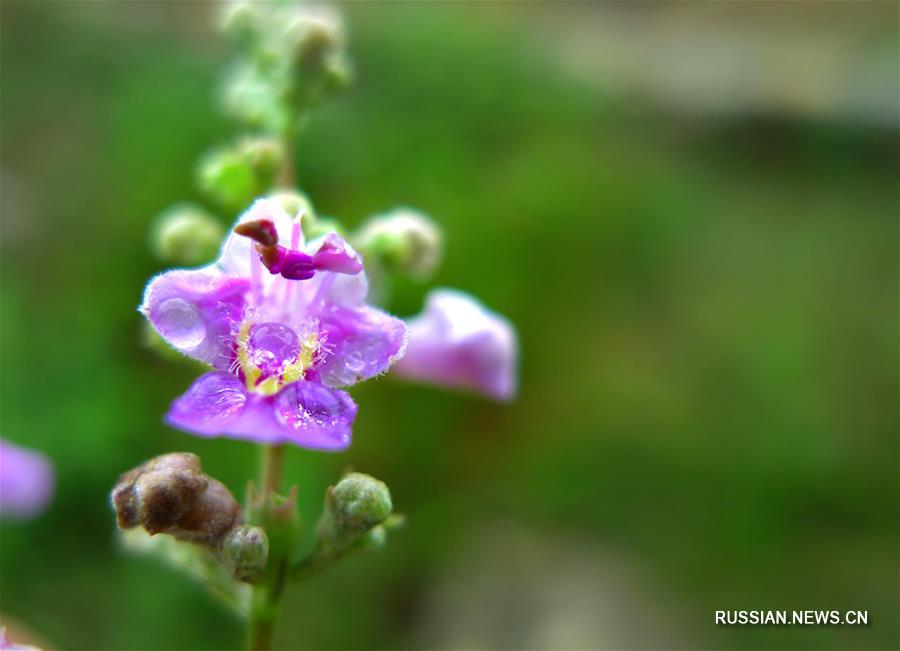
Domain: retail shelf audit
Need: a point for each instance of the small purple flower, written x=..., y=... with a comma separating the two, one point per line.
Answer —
x=26, y=481
x=283, y=325
x=457, y=342
x=7, y=645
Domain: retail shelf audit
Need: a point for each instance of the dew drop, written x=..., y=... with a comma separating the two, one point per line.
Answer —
x=216, y=395
x=307, y=404
x=271, y=345
x=180, y=322
x=355, y=362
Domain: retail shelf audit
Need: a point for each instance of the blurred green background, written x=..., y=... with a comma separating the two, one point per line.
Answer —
x=689, y=210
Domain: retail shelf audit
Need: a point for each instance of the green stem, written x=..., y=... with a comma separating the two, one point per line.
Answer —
x=272, y=468
x=266, y=597
x=287, y=174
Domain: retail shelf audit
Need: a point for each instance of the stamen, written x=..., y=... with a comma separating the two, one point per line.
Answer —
x=298, y=266
x=296, y=233
x=273, y=257
x=259, y=230
x=291, y=263
x=256, y=284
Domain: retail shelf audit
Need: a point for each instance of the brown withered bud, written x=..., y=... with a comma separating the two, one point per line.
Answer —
x=171, y=494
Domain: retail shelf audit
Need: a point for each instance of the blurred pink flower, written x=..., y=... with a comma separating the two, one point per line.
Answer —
x=26, y=481
x=458, y=343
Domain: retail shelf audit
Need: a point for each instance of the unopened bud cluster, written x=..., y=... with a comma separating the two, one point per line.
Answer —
x=292, y=56
x=170, y=494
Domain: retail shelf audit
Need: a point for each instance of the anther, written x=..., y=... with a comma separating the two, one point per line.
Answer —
x=259, y=230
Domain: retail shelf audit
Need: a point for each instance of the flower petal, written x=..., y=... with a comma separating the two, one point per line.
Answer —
x=334, y=254
x=26, y=481
x=214, y=402
x=197, y=312
x=360, y=343
x=458, y=343
x=304, y=413
x=312, y=415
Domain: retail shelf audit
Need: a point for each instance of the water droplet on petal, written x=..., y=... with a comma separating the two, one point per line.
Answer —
x=271, y=345
x=215, y=395
x=309, y=404
x=181, y=323
x=355, y=362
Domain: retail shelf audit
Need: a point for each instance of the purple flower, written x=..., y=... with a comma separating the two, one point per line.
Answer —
x=284, y=325
x=457, y=342
x=7, y=645
x=26, y=481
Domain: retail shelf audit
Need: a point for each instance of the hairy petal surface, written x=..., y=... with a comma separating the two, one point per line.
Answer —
x=361, y=343
x=292, y=324
x=197, y=312
x=458, y=343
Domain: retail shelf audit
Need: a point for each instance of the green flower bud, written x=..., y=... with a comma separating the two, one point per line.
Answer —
x=372, y=540
x=295, y=203
x=338, y=74
x=318, y=226
x=240, y=21
x=314, y=34
x=314, y=38
x=186, y=235
x=235, y=176
x=357, y=504
x=264, y=155
x=245, y=552
x=255, y=98
x=403, y=240
x=227, y=177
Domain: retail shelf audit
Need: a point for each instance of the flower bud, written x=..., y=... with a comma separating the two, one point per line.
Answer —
x=186, y=235
x=319, y=226
x=245, y=551
x=403, y=240
x=314, y=33
x=234, y=176
x=372, y=540
x=170, y=494
x=264, y=155
x=250, y=96
x=357, y=504
x=315, y=40
x=240, y=20
x=227, y=178
x=295, y=203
